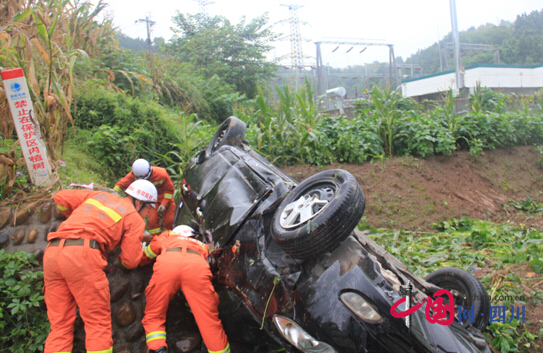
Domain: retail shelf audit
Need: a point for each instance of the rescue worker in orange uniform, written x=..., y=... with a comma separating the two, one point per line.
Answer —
x=75, y=258
x=181, y=264
x=141, y=169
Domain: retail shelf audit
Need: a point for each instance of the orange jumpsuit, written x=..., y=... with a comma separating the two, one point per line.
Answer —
x=181, y=265
x=161, y=179
x=74, y=275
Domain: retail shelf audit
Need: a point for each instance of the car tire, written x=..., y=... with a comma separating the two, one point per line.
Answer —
x=231, y=132
x=329, y=206
x=472, y=291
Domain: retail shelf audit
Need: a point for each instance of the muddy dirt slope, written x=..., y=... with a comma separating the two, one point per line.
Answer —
x=411, y=194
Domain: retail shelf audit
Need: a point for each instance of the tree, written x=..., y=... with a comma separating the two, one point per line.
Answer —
x=235, y=53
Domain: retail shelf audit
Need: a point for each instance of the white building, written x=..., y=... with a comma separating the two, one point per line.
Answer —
x=505, y=78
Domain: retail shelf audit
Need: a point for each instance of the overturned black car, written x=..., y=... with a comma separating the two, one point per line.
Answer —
x=294, y=271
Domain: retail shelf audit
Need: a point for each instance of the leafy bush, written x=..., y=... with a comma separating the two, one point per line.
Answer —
x=348, y=140
x=23, y=326
x=113, y=148
x=126, y=128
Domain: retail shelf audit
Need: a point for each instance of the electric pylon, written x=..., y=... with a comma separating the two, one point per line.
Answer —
x=296, y=52
x=202, y=4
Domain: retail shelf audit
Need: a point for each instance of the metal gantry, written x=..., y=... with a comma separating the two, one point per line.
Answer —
x=321, y=81
x=465, y=47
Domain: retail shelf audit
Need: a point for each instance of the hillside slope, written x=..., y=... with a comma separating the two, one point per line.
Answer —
x=410, y=193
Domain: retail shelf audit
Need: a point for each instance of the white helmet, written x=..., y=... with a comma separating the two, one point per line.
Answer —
x=143, y=190
x=141, y=169
x=184, y=230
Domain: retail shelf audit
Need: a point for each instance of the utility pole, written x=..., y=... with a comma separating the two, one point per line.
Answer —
x=149, y=25
x=456, y=44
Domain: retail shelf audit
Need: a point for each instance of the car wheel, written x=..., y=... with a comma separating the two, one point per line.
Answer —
x=318, y=214
x=231, y=132
x=468, y=292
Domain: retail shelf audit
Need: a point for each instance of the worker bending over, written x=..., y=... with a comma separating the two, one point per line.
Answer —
x=181, y=264
x=141, y=169
x=75, y=258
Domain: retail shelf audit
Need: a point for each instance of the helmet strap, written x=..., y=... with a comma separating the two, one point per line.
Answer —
x=134, y=203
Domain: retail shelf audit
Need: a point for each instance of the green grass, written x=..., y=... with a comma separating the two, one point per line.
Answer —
x=81, y=168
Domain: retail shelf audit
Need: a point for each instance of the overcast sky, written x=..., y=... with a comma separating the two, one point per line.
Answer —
x=408, y=25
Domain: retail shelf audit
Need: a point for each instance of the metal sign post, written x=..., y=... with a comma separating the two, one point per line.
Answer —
x=27, y=126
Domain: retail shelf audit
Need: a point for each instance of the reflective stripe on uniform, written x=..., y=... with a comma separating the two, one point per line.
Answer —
x=158, y=182
x=150, y=254
x=157, y=335
x=226, y=350
x=110, y=212
x=62, y=208
x=168, y=196
x=154, y=231
x=110, y=350
x=118, y=189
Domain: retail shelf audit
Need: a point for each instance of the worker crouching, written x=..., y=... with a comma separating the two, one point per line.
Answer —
x=181, y=264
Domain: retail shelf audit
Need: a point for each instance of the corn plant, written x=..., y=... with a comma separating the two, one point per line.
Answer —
x=285, y=132
x=387, y=115
x=193, y=134
x=45, y=38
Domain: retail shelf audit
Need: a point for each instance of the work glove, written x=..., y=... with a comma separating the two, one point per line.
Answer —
x=161, y=209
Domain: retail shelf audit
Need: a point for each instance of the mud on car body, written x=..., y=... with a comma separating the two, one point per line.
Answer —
x=293, y=270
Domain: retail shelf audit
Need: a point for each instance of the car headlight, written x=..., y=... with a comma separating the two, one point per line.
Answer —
x=360, y=306
x=300, y=339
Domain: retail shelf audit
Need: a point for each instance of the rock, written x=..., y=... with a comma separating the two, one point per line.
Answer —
x=5, y=215
x=135, y=332
x=143, y=347
x=79, y=334
x=118, y=290
x=138, y=287
x=32, y=235
x=45, y=211
x=24, y=214
x=188, y=342
x=51, y=229
x=57, y=214
x=19, y=237
x=113, y=253
x=126, y=314
x=122, y=348
x=38, y=254
x=4, y=239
